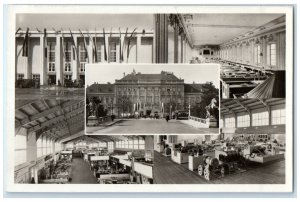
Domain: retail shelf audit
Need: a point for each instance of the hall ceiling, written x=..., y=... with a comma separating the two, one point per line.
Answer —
x=55, y=118
x=215, y=29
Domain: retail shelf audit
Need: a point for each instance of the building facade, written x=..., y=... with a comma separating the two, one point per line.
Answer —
x=53, y=57
x=147, y=94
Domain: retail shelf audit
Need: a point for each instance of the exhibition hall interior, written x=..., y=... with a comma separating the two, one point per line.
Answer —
x=52, y=53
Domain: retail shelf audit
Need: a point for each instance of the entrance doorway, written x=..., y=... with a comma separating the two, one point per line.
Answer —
x=52, y=80
x=82, y=77
x=148, y=112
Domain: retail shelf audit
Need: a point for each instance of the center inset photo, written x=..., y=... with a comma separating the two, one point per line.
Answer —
x=152, y=99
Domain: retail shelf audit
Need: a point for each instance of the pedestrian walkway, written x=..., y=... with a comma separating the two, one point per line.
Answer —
x=81, y=172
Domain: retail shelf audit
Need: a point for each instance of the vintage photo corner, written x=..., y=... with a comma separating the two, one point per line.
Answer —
x=173, y=100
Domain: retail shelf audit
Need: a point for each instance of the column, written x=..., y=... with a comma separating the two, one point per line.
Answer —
x=161, y=38
x=31, y=147
x=138, y=48
x=43, y=76
x=58, y=61
x=176, y=30
x=181, y=49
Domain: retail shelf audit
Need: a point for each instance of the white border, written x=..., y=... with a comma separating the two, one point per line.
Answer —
x=9, y=168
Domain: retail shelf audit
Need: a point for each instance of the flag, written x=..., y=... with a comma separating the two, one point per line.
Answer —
x=45, y=43
x=86, y=56
x=74, y=48
x=25, y=44
x=105, y=53
x=123, y=46
x=120, y=48
x=128, y=45
x=95, y=43
x=109, y=39
x=63, y=44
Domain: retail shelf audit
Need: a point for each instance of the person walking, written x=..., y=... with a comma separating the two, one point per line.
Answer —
x=167, y=117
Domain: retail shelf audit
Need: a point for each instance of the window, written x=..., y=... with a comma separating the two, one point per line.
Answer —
x=110, y=145
x=98, y=54
x=243, y=121
x=67, y=61
x=113, y=52
x=35, y=76
x=130, y=144
x=230, y=122
x=39, y=147
x=44, y=145
x=141, y=143
x=20, y=149
x=278, y=116
x=257, y=53
x=260, y=119
x=271, y=54
x=20, y=76
x=51, y=59
x=135, y=144
x=68, y=77
x=57, y=147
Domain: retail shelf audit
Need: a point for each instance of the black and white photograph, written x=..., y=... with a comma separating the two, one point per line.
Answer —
x=171, y=97
x=82, y=159
x=253, y=62
x=145, y=99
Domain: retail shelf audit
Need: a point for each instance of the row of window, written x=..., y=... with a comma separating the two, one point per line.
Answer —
x=243, y=54
x=37, y=76
x=44, y=147
x=258, y=119
x=131, y=144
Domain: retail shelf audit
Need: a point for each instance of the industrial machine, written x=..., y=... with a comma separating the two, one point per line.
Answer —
x=225, y=161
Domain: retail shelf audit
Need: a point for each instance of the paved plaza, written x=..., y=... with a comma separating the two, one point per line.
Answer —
x=143, y=126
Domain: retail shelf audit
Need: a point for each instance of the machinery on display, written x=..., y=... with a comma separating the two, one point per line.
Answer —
x=226, y=160
x=262, y=153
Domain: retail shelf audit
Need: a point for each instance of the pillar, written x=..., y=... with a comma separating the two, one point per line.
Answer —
x=176, y=31
x=181, y=49
x=43, y=76
x=161, y=38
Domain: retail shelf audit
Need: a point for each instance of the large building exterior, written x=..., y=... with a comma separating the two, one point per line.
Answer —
x=147, y=94
x=52, y=57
